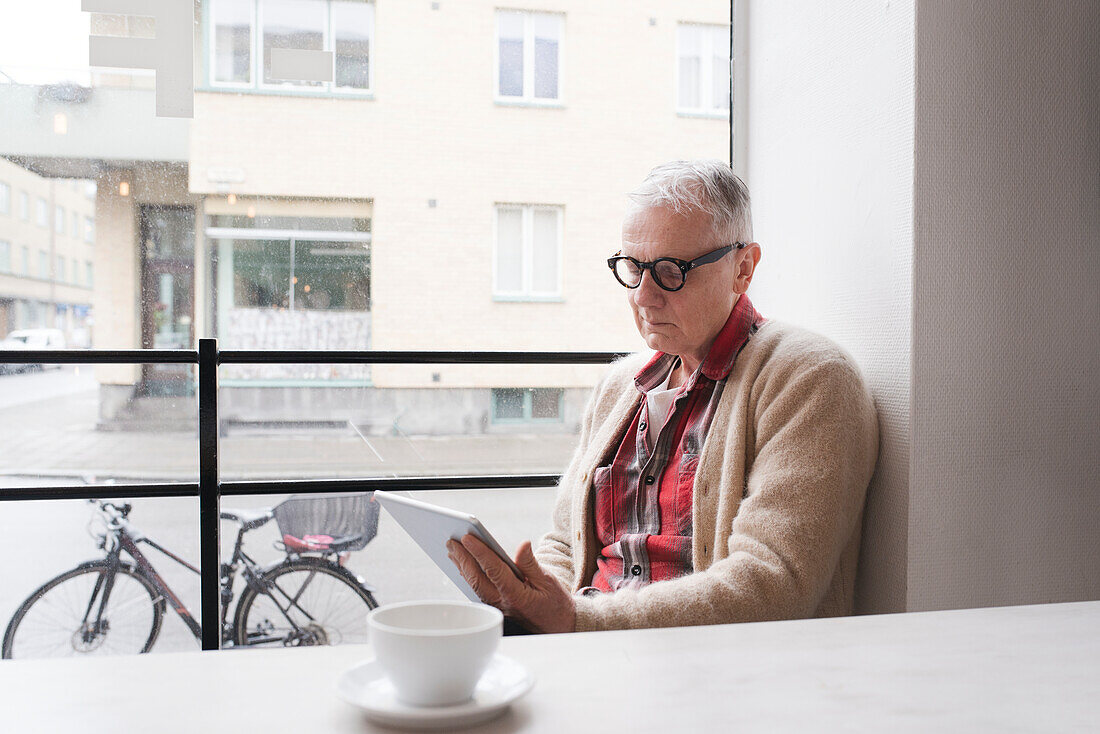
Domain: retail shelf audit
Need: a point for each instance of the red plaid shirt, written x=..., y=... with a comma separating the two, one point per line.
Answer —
x=643, y=498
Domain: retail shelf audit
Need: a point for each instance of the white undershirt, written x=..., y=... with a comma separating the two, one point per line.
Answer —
x=659, y=402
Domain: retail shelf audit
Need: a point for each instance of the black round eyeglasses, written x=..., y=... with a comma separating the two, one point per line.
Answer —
x=668, y=272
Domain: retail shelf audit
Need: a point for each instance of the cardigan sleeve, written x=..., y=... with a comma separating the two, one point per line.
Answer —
x=816, y=443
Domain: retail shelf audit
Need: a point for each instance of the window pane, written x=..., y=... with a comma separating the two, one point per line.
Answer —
x=352, y=24
x=232, y=41
x=5, y=198
x=720, y=62
x=260, y=277
x=331, y=276
x=5, y=262
x=510, y=34
x=546, y=403
x=509, y=250
x=508, y=403
x=690, y=67
x=544, y=255
x=547, y=38
x=298, y=24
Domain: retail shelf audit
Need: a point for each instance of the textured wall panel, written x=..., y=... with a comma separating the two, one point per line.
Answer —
x=1005, y=480
x=830, y=168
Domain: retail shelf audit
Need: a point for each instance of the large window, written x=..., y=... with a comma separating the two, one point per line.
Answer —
x=703, y=75
x=528, y=57
x=527, y=260
x=243, y=33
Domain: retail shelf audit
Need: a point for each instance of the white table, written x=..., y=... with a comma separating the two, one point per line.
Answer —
x=1007, y=669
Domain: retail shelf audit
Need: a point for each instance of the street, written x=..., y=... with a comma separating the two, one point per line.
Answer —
x=48, y=436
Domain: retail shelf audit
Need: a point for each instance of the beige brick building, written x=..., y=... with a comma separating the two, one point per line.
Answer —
x=47, y=252
x=457, y=185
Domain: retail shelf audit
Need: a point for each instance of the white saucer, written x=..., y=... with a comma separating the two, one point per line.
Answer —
x=368, y=688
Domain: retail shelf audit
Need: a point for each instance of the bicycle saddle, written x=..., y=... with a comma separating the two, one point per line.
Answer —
x=248, y=519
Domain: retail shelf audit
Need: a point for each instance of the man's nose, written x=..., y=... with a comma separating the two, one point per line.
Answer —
x=648, y=293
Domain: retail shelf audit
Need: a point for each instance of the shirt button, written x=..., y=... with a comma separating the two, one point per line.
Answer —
x=642, y=425
x=649, y=480
x=636, y=570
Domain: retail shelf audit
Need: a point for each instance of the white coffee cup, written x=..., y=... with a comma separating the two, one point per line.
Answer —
x=435, y=652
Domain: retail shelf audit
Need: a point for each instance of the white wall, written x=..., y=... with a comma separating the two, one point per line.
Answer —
x=1005, y=480
x=829, y=114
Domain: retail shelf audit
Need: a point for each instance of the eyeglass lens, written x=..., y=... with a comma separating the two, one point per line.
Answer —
x=666, y=273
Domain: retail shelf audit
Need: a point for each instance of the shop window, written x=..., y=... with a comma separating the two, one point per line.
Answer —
x=527, y=263
x=528, y=56
x=527, y=404
x=703, y=72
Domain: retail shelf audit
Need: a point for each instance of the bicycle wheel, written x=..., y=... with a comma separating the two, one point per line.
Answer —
x=59, y=619
x=308, y=601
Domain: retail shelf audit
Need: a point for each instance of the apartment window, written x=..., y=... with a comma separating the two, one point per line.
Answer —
x=243, y=32
x=42, y=213
x=75, y=271
x=527, y=252
x=26, y=260
x=703, y=77
x=528, y=58
x=24, y=206
x=43, y=265
x=59, y=220
x=60, y=274
x=5, y=198
x=74, y=226
x=88, y=279
x=89, y=230
x=5, y=256
x=527, y=404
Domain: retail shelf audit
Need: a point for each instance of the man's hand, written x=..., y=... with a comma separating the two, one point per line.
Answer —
x=540, y=603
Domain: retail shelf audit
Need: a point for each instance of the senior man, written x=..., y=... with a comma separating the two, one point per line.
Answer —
x=719, y=477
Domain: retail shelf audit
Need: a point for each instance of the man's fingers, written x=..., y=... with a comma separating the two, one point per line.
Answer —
x=472, y=572
x=526, y=562
x=495, y=569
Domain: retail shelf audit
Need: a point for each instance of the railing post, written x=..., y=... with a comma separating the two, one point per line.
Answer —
x=209, y=500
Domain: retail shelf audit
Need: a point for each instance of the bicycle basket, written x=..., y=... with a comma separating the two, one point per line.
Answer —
x=345, y=516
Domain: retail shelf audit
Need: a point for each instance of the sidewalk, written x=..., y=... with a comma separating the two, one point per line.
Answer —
x=57, y=437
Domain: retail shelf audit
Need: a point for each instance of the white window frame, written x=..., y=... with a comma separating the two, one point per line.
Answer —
x=527, y=251
x=528, y=98
x=256, y=70
x=706, y=73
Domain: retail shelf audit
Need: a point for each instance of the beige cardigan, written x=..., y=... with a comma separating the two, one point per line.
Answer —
x=778, y=495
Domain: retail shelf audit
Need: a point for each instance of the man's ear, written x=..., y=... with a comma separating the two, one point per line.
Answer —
x=746, y=267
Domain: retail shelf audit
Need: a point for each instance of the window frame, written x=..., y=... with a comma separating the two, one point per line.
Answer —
x=528, y=98
x=706, y=72
x=257, y=85
x=525, y=294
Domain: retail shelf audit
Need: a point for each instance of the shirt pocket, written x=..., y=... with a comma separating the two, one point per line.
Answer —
x=604, y=504
x=685, y=491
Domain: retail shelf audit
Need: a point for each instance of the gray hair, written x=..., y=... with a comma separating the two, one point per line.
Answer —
x=705, y=186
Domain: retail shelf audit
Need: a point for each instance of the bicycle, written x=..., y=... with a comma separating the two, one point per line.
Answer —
x=113, y=605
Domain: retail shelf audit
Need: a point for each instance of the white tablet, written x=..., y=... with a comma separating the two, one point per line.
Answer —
x=431, y=526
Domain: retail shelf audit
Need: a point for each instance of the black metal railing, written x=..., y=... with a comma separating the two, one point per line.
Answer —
x=210, y=489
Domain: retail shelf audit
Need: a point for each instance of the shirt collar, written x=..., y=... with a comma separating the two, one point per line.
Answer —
x=743, y=322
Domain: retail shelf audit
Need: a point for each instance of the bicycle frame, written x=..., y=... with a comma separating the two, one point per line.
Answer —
x=128, y=542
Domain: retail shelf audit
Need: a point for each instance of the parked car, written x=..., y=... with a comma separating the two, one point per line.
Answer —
x=30, y=339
